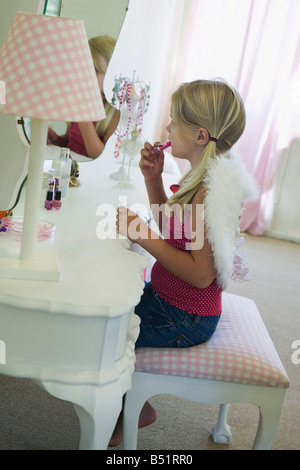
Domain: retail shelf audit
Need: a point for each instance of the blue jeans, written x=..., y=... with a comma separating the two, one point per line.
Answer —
x=165, y=326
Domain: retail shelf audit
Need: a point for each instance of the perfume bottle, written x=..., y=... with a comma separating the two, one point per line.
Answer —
x=66, y=163
x=56, y=167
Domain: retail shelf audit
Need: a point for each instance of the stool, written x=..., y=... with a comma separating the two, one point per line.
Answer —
x=238, y=364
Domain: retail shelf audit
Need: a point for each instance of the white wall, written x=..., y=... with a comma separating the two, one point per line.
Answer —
x=99, y=16
x=8, y=9
x=285, y=221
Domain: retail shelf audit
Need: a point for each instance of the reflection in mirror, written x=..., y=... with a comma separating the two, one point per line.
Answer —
x=89, y=138
x=14, y=146
x=103, y=20
x=52, y=7
x=99, y=16
x=13, y=176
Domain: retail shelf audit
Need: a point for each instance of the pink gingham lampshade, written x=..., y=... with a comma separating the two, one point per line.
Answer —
x=48, y=71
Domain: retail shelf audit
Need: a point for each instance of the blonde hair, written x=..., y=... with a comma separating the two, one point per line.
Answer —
x=101, y=48
x=216, y=107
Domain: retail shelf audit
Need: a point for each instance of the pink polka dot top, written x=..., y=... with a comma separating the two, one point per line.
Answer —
x=76, y=142
x=177, y=292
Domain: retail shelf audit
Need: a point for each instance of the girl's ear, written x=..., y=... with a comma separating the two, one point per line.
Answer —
x=202, y=136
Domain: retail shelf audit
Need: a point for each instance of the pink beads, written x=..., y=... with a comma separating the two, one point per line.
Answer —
x=124, y=92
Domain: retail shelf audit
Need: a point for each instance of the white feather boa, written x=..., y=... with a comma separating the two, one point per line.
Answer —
x=228, y=184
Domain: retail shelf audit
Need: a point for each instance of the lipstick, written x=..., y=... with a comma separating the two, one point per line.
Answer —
x=161, y=147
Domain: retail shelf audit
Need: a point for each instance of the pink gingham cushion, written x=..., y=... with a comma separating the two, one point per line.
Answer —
x=240, y=351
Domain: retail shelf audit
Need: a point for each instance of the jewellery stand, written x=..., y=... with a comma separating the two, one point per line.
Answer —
x=131, y=147
x=126, y=182
x=119, y=175
x=131, y=97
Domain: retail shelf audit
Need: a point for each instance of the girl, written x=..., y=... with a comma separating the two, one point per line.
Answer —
x=88, y=138
x=182, y=304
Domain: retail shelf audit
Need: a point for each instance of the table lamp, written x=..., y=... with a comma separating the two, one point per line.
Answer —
x=2, y=92
x=48, y=71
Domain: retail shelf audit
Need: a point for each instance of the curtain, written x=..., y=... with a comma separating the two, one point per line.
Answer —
x=254, y=45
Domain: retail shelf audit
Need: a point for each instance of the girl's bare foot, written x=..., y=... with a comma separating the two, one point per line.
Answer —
x=147, y=417
x=117, y=435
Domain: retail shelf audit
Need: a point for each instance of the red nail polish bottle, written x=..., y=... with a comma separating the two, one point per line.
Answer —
x=57, y=201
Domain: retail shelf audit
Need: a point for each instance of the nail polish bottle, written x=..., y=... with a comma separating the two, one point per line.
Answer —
x=49, y=200
x=50, y=191
x=57, y=200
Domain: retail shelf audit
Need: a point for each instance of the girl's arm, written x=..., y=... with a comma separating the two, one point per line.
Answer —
x=196, y=267
x=151, y=165
x=112, y=126
x=93, y=144
x=55, y=139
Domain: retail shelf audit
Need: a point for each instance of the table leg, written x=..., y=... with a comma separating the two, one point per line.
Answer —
x=97, y=408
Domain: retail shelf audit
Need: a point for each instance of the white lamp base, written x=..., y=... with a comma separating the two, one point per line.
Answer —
x=42, y=267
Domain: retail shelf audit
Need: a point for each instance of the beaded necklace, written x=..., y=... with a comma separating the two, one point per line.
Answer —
x=131, y=98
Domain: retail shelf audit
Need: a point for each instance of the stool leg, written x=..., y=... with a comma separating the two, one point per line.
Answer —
x=269, y=416
x=221, y=431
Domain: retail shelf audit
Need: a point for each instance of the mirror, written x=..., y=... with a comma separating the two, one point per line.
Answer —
x=101, y=18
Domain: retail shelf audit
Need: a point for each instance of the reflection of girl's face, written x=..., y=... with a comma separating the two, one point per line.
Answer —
x=100, y=66
x=100, y=79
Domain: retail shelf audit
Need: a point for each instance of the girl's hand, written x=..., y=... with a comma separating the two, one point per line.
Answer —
x=51, y=137
x=131, y=225
x=152, y=162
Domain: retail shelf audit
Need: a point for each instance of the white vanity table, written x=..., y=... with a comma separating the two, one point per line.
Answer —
x=76, y=337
